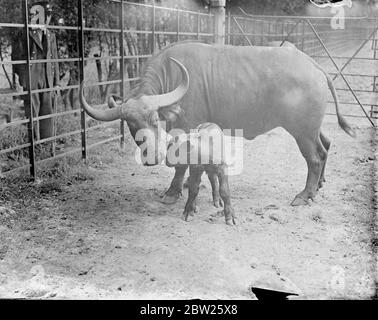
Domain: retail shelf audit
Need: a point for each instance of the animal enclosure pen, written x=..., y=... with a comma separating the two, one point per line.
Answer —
x=99, y=229
x=111, y=42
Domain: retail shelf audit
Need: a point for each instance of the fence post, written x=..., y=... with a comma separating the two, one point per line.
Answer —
x=303, y=34
x=229, y=27
x=29, y=107
x=153, y=27
x=81, y=79
x=217, y=8
x=177, y=24
x=122, y=72
x=373, y=108
x=198, y=25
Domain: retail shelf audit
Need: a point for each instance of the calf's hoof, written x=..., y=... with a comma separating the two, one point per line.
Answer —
x=231, y=221
x=229, y=215
x=188, y=216
x=218, y=203
x=299, y=201
x=321, y=183
x=170, y=197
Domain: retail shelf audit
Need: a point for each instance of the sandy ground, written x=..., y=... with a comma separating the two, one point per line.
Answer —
x=110, y=237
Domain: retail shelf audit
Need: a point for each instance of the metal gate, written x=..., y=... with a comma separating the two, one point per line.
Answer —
x=350, y=55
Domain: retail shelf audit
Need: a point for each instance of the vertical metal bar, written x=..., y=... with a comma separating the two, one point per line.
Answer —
x=375, y=40
x=29, y=109
x=214, y=28
x=283, y=30
x=122, y=71
x=138, y=66
x=262, y=32
x=81, y=78
x=153, y=27
x=198, y=25
x=374, y=109
x=372, y=44
x=178, y=25
x=303, y=34
x=229, y=27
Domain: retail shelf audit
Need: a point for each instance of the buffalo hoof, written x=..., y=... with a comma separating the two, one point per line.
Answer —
x=188, y=216
x=218, y=203
x=231, y=222
x=170, y=197
x=230, y=218
x=299, y=201
x=321, y=183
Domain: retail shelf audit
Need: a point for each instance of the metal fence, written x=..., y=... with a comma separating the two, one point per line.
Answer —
x=128, y=33
x=112, y=40
x=350, y=55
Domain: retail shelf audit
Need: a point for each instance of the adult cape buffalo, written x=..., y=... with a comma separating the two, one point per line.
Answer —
x=251, y=88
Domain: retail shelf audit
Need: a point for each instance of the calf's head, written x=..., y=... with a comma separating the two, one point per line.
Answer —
x=143, y=115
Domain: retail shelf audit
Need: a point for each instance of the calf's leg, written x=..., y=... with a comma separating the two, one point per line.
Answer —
x=194, y=184
x=175, y=190
x=213, y=178
x=224, y=191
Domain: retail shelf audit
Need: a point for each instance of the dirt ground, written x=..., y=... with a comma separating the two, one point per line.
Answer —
x=110, y=237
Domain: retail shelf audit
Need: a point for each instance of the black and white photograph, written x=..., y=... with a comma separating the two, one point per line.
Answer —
x=189, y=150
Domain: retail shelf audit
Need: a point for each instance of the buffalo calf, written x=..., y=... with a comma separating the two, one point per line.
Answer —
x=203, y=151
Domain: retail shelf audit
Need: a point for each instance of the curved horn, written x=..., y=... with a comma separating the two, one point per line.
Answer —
x=167, y=99
x=102, y=115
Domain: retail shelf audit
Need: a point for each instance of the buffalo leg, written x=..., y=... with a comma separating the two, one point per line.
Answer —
x=315, y=155
x=175, y=190
x=224, y=191
x=194, y=184
x=326, y=144
x=213, y=178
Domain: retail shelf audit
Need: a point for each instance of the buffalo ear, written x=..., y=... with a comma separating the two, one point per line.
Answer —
x=171, y=113
x=117, y=99
x=114, y=101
